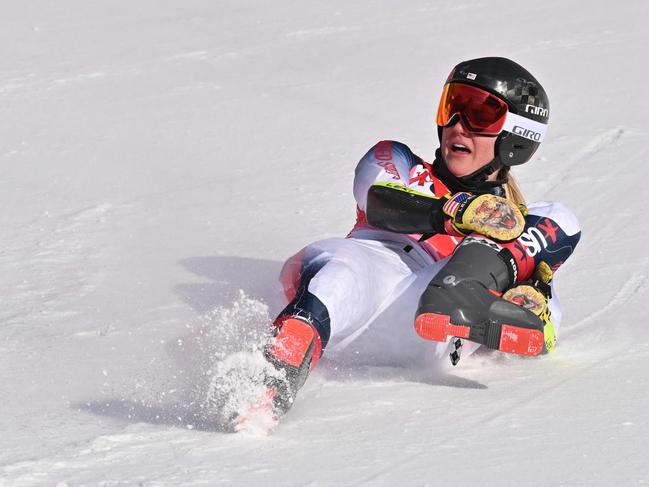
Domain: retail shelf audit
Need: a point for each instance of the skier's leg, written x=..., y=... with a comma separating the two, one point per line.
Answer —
x=460, y=300
x=463, y=300
x=336, y=286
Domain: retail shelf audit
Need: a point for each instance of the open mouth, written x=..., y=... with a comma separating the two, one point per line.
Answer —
x=461, y=149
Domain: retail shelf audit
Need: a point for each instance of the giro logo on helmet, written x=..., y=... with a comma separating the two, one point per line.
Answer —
x=534, y=110
x=527, y=133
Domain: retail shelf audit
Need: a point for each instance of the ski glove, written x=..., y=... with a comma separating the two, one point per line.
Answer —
x=487, y=214
x=534, y=295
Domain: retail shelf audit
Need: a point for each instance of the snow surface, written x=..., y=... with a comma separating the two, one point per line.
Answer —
x=158, y=157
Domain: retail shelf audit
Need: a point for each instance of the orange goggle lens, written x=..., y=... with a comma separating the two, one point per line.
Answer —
x=480, y=111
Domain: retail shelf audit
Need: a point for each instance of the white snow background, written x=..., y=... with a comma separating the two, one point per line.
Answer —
x=157, y=157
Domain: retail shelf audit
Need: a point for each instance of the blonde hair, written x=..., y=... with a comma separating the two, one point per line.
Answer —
x=512, y=190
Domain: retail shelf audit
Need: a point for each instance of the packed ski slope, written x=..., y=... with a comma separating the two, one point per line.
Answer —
x=158, y=157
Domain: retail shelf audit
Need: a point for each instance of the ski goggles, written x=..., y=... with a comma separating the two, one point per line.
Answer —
x=484, y=113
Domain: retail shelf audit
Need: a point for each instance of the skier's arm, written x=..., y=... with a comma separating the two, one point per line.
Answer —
x=382, y=193
x=551, y=234
x=400, y=209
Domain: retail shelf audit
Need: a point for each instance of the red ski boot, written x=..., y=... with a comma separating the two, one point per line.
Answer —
x=463, y=300
x=295, y=349
x=292, y=353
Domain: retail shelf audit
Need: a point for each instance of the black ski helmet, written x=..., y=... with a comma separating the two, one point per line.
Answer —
x=524, y=96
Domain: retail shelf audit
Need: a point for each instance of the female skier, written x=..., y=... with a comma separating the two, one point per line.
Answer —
x=450, y=245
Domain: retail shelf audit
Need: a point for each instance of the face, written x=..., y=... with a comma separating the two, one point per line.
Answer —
x=465, y=152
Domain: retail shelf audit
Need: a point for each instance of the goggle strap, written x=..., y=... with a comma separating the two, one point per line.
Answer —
x=525, y=127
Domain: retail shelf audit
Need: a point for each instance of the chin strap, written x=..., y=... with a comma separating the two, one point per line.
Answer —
x=475, y=182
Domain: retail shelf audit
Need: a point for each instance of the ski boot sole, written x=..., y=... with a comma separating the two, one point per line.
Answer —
x=498, y=336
